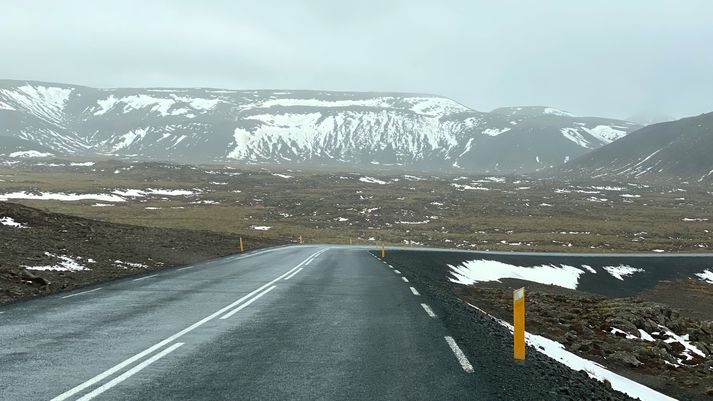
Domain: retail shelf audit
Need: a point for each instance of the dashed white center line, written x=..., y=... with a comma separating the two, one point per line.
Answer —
x=428, y=310
x=397, y=272
x=296, y=271
x=80, y=293
x=413, y=290
x=404, y=279
x=246, y=304
x=136, y=369
x=462, y=359
x=144, y=278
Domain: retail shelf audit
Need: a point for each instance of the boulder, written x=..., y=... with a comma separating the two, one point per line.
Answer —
x=625, y=357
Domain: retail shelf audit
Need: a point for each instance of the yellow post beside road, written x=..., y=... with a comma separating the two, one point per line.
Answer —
x=241, y=245
x=301, y=240
x=518, y=299
x=383, y=250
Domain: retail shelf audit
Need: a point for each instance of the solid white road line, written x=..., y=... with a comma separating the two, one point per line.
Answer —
x=81, y=293
x=404, y=279
x=296, y=271
x=397, y=272
x=464, y=363
x=144, y=278
x=428, y=310
x=168, y=340
x=184, y=268
x=246, y=304
x=136, y=369
x=414, y=291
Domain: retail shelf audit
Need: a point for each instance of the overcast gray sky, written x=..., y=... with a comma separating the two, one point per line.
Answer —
x=610, y=58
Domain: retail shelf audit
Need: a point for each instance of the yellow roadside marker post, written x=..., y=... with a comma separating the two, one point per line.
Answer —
x=301, y=241
x=383, y=250
x=241, y=245
x=518, y=299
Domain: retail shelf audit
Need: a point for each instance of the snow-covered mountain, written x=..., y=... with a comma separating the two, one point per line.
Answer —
x=680, y=149
x=288, y=127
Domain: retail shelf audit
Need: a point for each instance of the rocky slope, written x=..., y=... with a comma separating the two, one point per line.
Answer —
x=45, y=252
x=292, y=127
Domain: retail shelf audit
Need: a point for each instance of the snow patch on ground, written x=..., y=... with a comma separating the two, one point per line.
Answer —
x=372, y=180
x=606, y=133
x=494, y=131
x=261, y=228
x=575, y=136
x=26, y=154
x=58, y=196
x=621, y=271
x=557, y=112
x=464, y=187
x=482, y=270
x=10, y=222
x=706, y=276
x=66, y=264
x=140, y=193
x=126, y=265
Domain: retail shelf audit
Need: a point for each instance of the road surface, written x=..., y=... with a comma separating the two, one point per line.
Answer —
x=289, y=323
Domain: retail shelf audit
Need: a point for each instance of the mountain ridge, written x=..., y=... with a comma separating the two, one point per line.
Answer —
x=295, y=127
x=674, y=149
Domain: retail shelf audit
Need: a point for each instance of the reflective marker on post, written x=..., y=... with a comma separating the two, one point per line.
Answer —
x=518, y=299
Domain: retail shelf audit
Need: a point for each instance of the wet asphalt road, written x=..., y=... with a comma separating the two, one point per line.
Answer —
x=290, y=323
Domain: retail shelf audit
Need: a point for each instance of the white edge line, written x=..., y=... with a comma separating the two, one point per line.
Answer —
x=293, y=273
x=187, y=267
x=153, y=348
x=144, y=278
x=397, y=272
x=404, y=279
x=462, y=359
x=246, y=304
x=413, y=290
x=80, y=293
x=428, y=310
x=136, y=369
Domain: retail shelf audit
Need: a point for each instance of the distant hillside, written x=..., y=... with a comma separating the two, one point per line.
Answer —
x=682, y=148
x=290, y=128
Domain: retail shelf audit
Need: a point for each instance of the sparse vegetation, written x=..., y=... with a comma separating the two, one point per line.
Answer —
x=497, y=213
